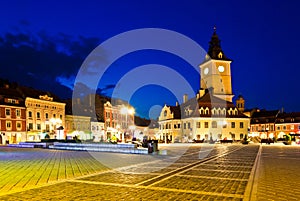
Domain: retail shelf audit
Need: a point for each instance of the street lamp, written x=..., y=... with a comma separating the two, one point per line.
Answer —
x=55, y=122
x=126, y=111
x=132, y=128
x=267, y=129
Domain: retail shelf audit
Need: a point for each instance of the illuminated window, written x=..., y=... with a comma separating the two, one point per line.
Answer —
x=38, y=126
x=220, y=55
x=198, y=124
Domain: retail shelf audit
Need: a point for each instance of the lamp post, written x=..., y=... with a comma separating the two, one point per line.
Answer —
x=126, y=111
x=55, y=122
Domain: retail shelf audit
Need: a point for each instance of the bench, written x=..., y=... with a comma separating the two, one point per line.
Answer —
x=267, y=141
x=226, y=141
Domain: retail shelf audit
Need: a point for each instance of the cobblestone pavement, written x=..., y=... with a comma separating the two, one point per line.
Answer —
x=278, y=173
x=227, y=172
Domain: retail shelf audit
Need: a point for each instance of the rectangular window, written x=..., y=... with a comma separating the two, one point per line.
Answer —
x=47, y=128
x=241, y=124
x=30, y=114
x=214, y=124
x=7, y=112
x=189, y=125
x=18, y=113
x=38, y=126
x=38, y=115
x=46, y=115
x=19, y=125
x=232, y=124
x=205, y=124
x=60, y=116
x=8, y=125
x=30, y=126
x=184, y=126
x=178, y=125
x=225, y=125
x=198, y=124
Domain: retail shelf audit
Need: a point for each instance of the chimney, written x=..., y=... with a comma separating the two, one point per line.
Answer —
x=185, y=98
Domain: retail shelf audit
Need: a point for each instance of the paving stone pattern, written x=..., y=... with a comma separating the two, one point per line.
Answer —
x=39, y=174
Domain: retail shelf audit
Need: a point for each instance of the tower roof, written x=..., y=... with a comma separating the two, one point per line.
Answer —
x=215, y=51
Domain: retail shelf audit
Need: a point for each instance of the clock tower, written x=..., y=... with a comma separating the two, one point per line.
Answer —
x=215, y=71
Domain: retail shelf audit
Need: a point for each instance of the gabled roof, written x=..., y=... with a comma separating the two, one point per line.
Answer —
x=176, y=111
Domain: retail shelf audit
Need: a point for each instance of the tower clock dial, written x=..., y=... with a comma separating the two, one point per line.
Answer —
x=206, y=70
x=221, y=69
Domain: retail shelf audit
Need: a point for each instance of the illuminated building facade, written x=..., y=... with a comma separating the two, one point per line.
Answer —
x=210, y=115
x=44, y=116
x=12, y=116
x=119, y=120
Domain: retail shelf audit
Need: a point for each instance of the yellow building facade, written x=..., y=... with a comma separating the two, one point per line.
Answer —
x=44, y=116
x=210, y=115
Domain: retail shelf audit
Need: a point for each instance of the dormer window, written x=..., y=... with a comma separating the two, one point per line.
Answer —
x=220, y=55
x=165, y=113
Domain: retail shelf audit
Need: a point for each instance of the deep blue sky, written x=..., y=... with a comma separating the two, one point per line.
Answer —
x=46, y=42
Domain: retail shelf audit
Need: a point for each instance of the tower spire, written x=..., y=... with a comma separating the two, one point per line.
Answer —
x=215, y=51
x=215, y=29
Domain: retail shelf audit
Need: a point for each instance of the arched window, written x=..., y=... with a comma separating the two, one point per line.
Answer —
x=220, y=55
x=165, y=113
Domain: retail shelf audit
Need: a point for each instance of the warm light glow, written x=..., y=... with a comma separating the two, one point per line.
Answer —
x=126, y=110
x=132, y=127
x=55, y=121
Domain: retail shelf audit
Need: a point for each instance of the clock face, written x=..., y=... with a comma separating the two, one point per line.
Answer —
x=206, y=70
x=221, y=69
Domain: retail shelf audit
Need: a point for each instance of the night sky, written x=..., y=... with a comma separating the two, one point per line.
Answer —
x=43, y=45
